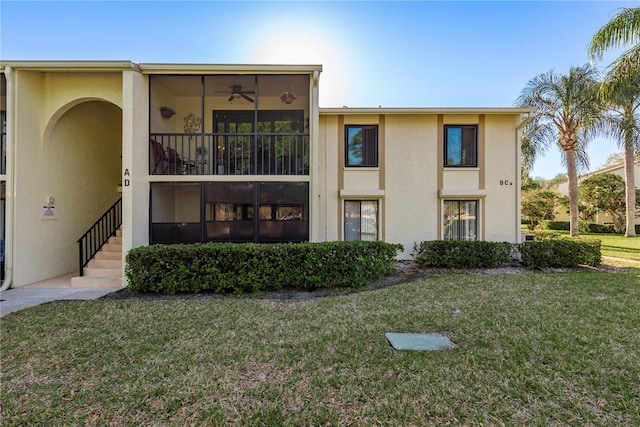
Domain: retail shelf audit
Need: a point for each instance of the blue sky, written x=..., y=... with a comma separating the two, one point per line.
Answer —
x=394, y=54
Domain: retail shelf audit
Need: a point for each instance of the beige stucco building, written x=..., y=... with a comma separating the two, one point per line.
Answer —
x=600, y=217
x=237, y=153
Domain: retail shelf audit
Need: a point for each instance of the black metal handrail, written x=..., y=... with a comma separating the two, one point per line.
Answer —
x=99, y=233
x=265, y=153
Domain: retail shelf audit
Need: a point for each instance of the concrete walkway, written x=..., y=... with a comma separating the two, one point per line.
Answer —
x=58, y=288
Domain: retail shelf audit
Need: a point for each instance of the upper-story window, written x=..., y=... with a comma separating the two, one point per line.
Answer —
x=361, y=148
x=460, y=146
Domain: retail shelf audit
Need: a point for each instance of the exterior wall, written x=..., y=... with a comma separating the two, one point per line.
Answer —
x=68, y=147
x=411, y=182
x=501, y=179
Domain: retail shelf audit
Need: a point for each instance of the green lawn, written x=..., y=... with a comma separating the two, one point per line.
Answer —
x=616, y=245
x=532, y=349
x=613, y=245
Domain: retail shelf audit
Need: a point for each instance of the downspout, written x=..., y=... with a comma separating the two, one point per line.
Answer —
x=518, y=174
x=9, y=193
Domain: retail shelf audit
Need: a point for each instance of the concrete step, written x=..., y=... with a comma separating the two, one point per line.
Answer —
x=96, y=282
x=108, y=255
x=105, y=263
x=115, y=240
x=108, y=247
x=103, y=272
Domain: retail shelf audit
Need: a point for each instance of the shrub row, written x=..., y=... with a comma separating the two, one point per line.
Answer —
x=557, y=225
x=456, y=254
x=543, y=253
x=237, y=268
x=561, y=253
x=592, y=227
x=583, y=226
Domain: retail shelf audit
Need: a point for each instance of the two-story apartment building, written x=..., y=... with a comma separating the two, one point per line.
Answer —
x=236, y=153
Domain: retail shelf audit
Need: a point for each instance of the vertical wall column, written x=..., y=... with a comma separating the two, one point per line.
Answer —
x=315, y=211
x=135, y=163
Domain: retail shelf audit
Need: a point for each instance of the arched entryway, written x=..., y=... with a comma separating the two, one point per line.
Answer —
x=77, y=173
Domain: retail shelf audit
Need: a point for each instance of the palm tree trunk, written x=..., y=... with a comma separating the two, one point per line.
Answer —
x=572, y=174
x=630, y=186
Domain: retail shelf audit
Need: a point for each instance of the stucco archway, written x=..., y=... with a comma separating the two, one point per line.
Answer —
x=78, y=167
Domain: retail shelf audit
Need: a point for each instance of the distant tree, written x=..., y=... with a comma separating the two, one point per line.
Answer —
x=528, y=183
x=585, y=213
x=538, y=205
x=605, y=192
x=614, y=159
x=623, y=119
x=621, y=88
x=569, y=113
x=556, y=180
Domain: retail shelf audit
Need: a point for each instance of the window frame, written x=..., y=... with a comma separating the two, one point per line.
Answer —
x=344, y=218
x=375, y=163
x=446, y=146
x=460, y=224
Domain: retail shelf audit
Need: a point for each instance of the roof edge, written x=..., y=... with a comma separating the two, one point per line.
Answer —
x=70, y=65
x=149, y=68
x=428, y=110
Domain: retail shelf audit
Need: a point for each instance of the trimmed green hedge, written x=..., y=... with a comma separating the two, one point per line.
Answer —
x=248, y=267
x=592, y=227
x=557, y=225
x=561, y=253
x=546, y=251
x=456, y=254
x=539, y=235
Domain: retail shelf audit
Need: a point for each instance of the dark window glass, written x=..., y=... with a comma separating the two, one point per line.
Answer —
x=230, y=212
x=284, y=215
x=361, y=220
x=460, y=146
x=175, y=213
x=361, y=146
x=460, y=220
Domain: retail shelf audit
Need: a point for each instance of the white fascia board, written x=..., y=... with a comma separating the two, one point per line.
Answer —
x=462, y=193
x=228, y=68
x=430, y=110
x=96, y=66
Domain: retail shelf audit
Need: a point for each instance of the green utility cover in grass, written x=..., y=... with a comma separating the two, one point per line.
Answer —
x=420, y=342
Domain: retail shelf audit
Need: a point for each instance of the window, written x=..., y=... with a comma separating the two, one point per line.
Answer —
x=460, y=144
x=265, y=212
x=361, y=220
x=361, y=148
x=460, y=220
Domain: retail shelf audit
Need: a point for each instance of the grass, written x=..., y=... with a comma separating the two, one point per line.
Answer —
x=613, y=245
x=532, y=349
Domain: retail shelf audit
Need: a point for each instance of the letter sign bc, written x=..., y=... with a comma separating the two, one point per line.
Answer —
x=505, y=182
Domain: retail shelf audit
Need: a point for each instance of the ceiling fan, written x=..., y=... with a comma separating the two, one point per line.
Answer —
x=237, y=92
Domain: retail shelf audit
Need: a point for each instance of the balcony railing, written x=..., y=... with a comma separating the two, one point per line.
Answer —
x=229, y=154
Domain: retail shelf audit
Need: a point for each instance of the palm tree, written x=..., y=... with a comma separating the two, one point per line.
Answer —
x=569, y=114
x=622, y=30
x=621, y=88
x=623, y=121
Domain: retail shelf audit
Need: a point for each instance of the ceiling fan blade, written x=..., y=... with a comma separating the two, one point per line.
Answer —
x=231, y=98
x=249, y=92
x=246, y=97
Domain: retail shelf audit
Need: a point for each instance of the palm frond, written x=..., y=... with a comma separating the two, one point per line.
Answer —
x=622, y=29
x=623, y=73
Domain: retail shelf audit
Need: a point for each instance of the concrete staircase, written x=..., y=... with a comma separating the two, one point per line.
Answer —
x=105, y=269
